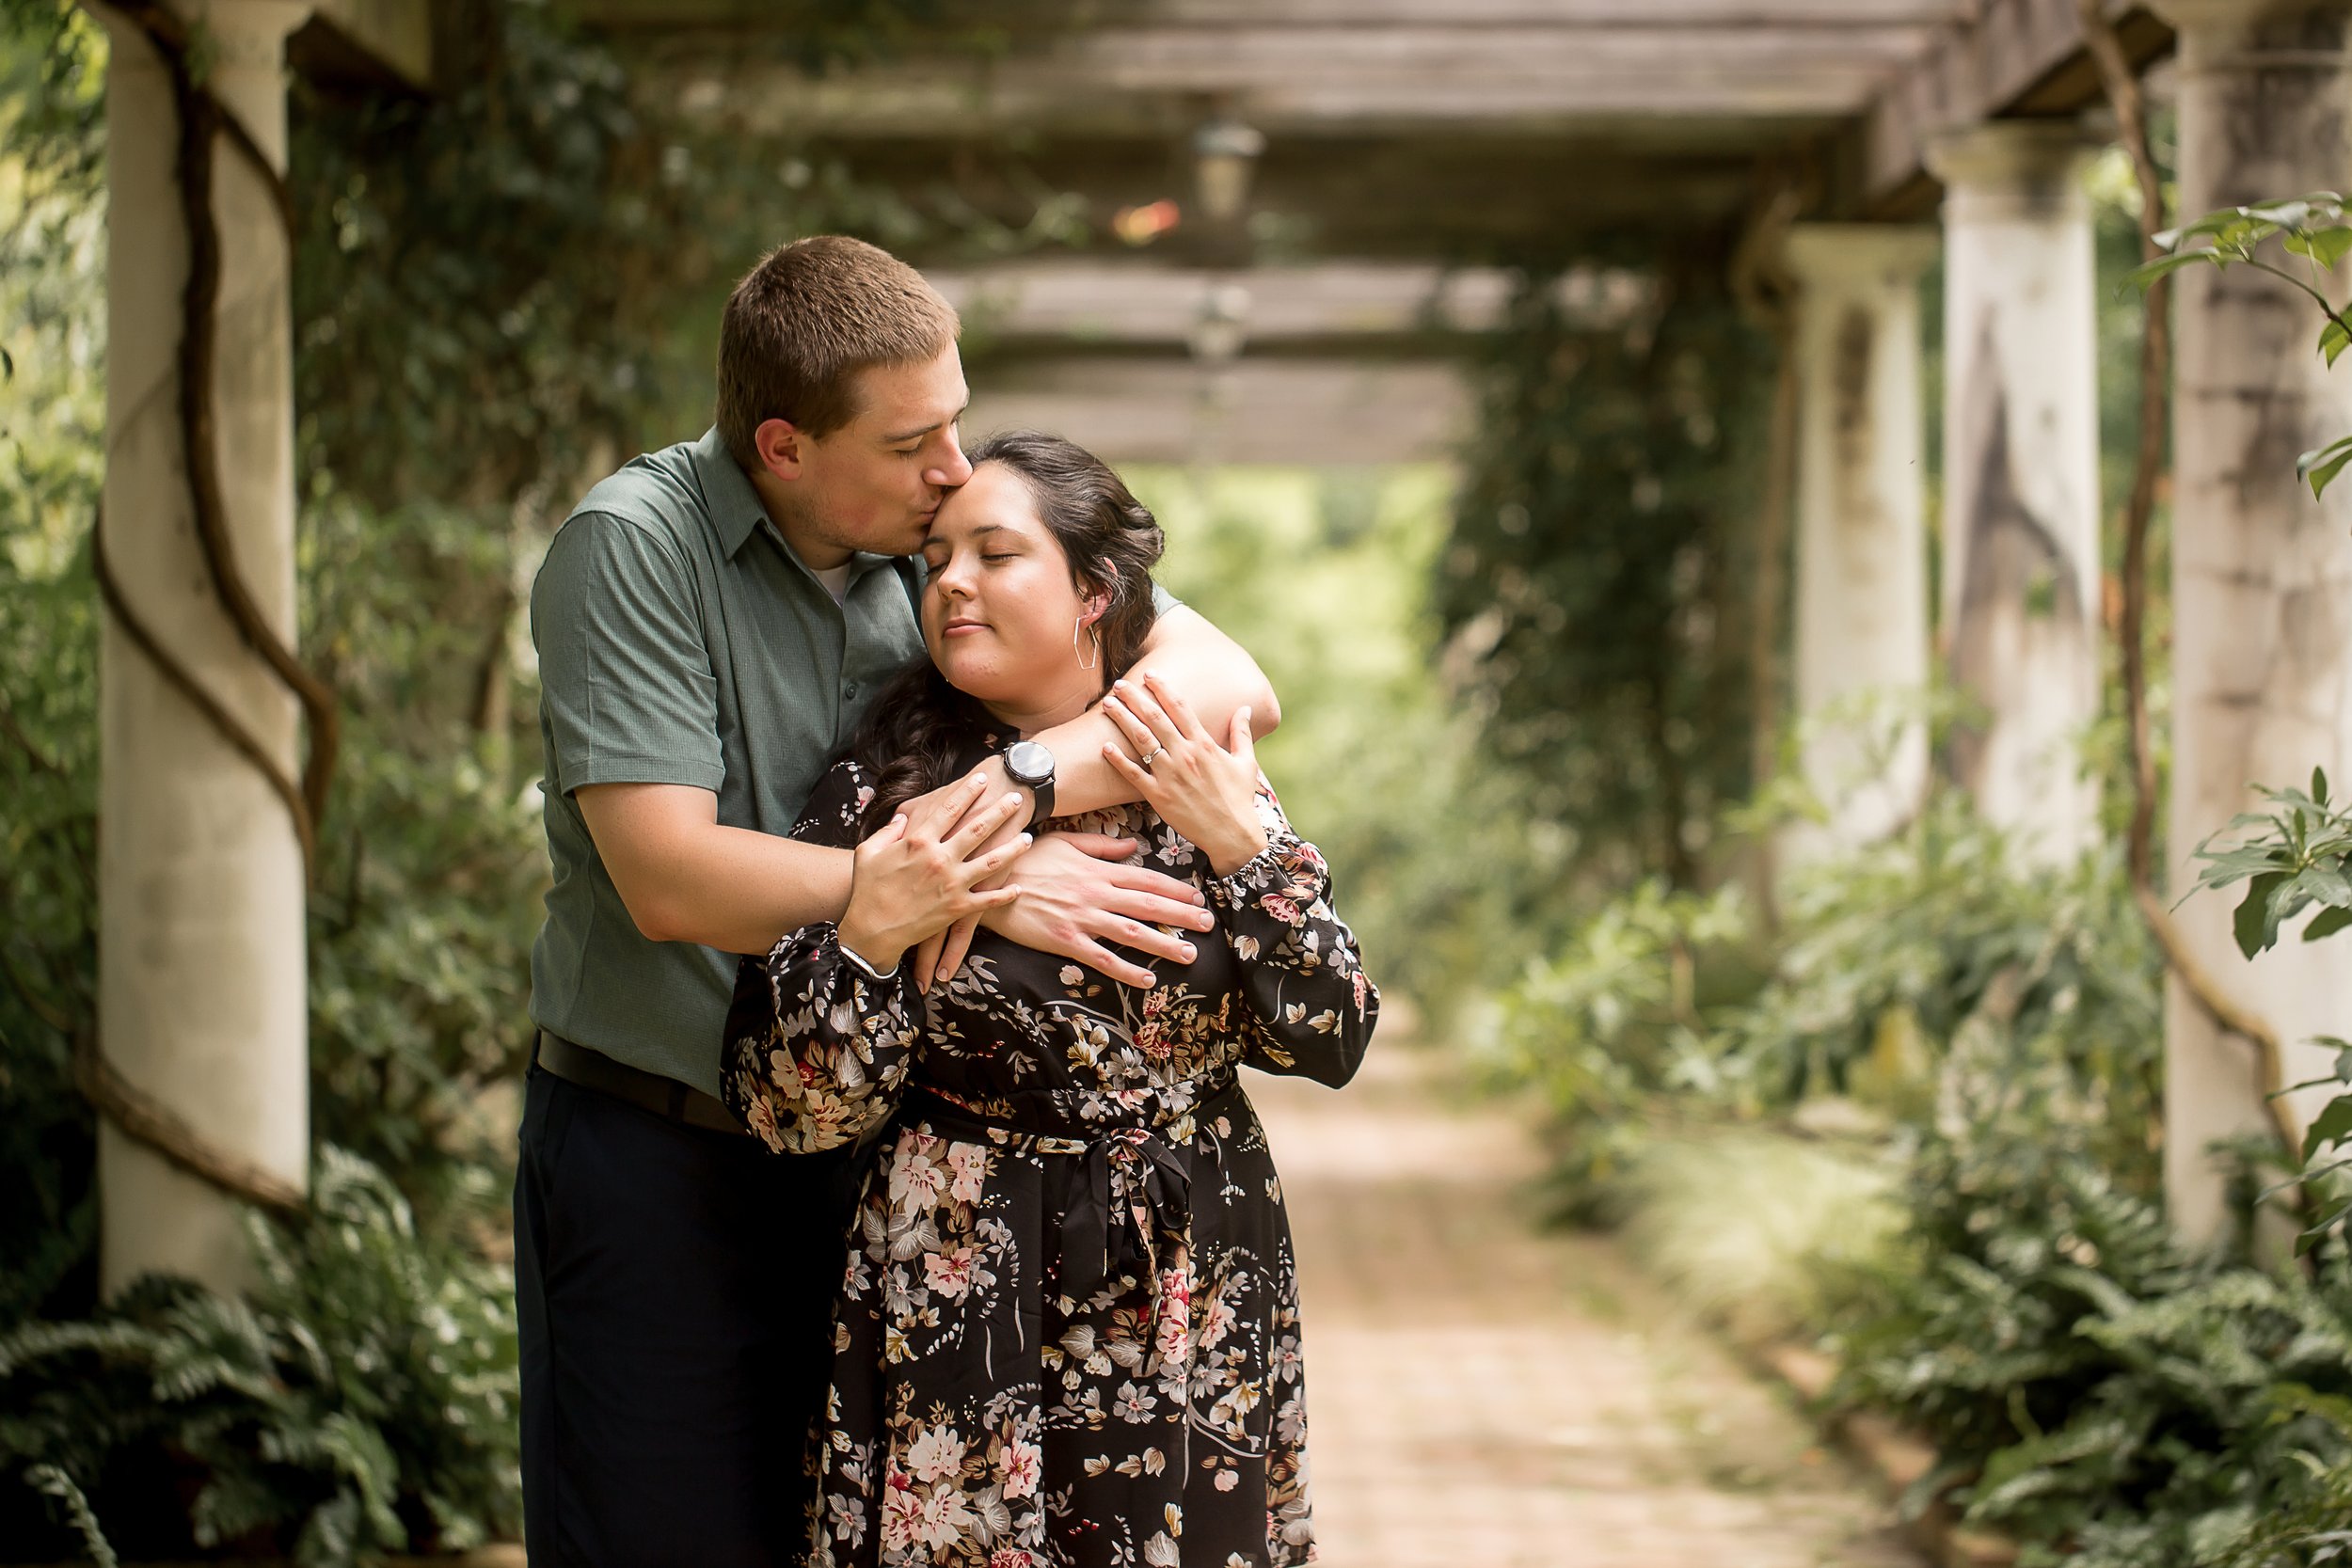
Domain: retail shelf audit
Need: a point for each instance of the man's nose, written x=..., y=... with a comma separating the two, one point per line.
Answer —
x=951, y=471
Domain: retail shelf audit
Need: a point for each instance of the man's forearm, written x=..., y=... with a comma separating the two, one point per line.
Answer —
x=1210, y=670
x=739, y=891
x=685, y=878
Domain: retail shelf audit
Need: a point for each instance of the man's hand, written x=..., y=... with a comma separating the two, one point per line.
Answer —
x=1078, y=892
x=921, y=874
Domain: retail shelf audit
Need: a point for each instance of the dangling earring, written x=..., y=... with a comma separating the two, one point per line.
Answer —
x=1084, y=663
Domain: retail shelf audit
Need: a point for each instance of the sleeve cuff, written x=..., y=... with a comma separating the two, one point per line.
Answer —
x=1260, y=871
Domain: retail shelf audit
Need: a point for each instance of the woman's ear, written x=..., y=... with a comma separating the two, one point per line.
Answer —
x=1096, y=604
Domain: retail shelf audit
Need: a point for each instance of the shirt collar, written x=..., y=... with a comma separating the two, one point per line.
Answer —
x=737, y=511
x=735, y=508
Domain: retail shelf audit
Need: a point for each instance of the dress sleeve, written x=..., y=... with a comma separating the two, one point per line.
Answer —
x=1302, y=974
x=815, y=1047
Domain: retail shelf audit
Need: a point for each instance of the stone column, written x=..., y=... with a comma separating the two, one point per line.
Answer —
x=200, y=960
x=1861, y=634
x=2262, y=573
x=2021, y=478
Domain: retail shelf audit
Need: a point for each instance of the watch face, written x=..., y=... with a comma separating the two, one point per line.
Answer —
x=1028, y=763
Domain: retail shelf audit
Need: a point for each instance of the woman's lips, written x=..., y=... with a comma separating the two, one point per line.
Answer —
x=959, y=628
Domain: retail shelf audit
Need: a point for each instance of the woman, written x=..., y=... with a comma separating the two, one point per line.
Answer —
x=1069, y=1330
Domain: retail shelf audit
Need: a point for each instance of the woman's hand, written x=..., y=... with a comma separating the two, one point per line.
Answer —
x=1207, y=792
x=919, y=875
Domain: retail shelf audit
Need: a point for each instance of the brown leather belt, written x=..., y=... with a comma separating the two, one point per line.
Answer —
x=650, y=1091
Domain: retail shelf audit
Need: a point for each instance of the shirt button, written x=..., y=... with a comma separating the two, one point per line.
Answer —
x=848, y=689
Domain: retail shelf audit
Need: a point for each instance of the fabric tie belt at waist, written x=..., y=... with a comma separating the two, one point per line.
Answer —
x=1133, y=1204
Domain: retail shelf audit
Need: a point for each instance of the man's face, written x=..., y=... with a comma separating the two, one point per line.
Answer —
x=874, y=483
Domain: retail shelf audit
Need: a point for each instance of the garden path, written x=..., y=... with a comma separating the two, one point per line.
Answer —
x=1482, y=1392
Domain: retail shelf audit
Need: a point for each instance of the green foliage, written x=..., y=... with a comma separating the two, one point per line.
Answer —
x=2099, y=1392
x=1813, y=1227
x=361, y=1398
x=51, y=423
x=1598, y=579
x=1324, y=578
x=1889, y=954
x=1656, y=1015
x=498, y=288
x=2292, y=860
x=2315, y=227
x=1614, y=1031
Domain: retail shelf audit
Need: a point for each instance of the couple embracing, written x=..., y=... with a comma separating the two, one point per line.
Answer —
x=887, y=1193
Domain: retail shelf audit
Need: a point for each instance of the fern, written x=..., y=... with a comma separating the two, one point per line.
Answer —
x=55, y=1482
x=359, y=1401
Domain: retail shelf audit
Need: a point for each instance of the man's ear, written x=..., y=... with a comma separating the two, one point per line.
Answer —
x=781, y=447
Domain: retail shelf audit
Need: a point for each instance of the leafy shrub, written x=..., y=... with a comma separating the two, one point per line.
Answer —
x=1655, y=1015
x=1889, y=953
x=1614, y=1031
x=361, y=1397
x=2097, y=1390
x=1813, y=1222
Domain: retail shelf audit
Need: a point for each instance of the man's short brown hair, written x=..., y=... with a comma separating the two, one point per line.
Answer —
x=805, y=321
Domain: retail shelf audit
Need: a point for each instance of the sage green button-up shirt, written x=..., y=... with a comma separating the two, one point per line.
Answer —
x=681, y=642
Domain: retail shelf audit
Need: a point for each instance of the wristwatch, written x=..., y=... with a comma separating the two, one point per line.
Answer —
x=1031, y=765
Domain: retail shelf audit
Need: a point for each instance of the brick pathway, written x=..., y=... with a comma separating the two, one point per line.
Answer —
x=1481, y=1395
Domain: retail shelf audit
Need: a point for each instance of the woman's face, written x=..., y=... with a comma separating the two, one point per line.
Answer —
x=999, y=607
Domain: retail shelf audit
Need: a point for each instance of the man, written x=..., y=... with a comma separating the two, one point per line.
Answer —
x=710, y=621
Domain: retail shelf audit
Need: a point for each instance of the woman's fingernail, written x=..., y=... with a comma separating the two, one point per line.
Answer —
x=1186, y=950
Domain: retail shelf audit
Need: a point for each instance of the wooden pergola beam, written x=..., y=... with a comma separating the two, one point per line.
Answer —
x=1331, y=310
x=384, y=42
x=1286, y=411
x=1019, y=19
x=1294, y=81
x=2016, y=58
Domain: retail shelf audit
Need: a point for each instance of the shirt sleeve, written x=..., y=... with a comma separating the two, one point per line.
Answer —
x=625, y=672
x=1302, y=974
x=1162, y=601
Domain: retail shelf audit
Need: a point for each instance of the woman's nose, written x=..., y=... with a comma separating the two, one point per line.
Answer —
x=955, y=578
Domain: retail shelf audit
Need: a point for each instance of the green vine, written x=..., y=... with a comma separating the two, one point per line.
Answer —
x=1595, y=585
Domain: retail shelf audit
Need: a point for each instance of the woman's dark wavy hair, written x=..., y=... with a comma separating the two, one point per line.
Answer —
x=913, y=737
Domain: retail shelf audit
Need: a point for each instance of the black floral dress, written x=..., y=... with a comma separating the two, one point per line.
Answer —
x=1068, y=1332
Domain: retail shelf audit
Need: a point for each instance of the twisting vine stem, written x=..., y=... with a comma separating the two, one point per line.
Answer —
x=2156, y=369
x=204, y=123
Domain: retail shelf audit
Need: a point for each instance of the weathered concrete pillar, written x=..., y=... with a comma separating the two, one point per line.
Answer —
x=1861, y=633
x=2262, y=573
x=201, y=962
x=2021, y=478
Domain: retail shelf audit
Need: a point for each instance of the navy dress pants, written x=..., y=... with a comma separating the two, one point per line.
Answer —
x=675, y=1290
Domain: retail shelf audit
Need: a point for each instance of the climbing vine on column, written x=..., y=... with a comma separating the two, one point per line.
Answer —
x=1596, y=586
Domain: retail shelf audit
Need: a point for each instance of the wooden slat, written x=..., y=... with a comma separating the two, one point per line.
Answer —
x=1271, y=411
x=1141, y=303
x=2018, y=57
x=1306, y=81
x=1020, y=18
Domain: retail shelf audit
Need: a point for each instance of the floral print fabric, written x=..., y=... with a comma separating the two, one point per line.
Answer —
x=1068, y=1332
